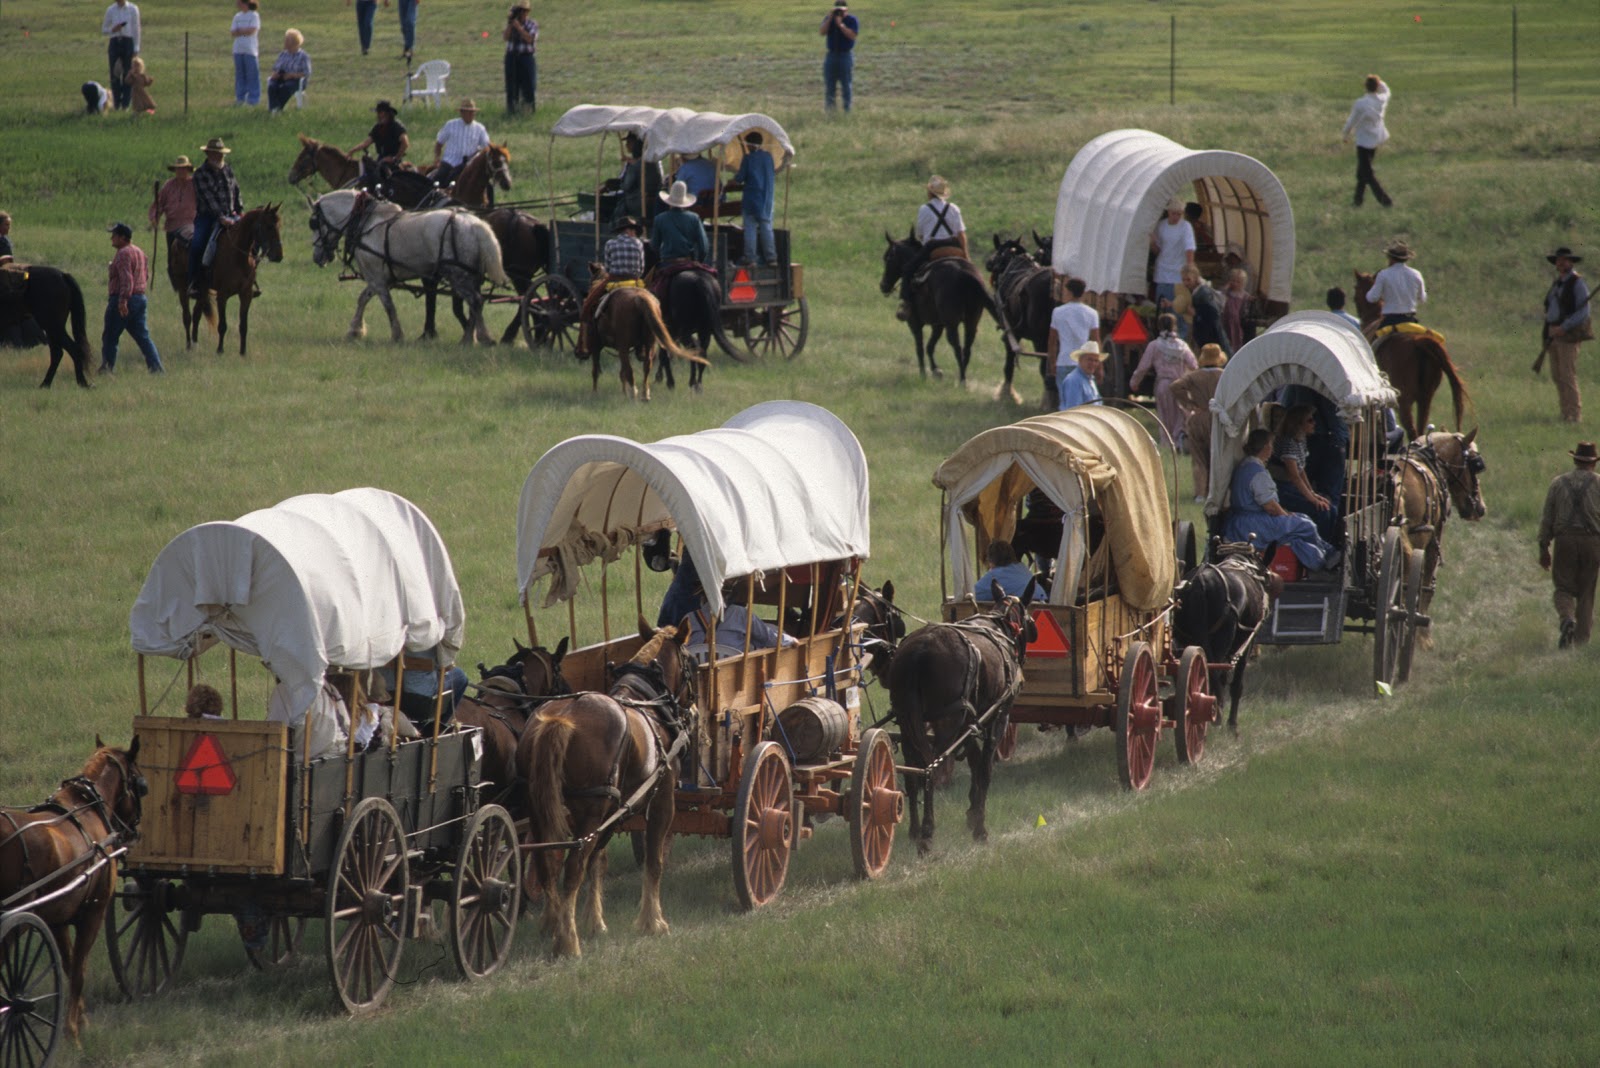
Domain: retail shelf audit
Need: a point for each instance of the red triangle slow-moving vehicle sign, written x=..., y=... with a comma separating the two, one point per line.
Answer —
x=1129, y=329
x=743, y=291
x=205, y=770
x=1051, y=644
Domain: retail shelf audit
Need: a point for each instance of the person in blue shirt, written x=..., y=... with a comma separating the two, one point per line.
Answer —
x=699, y=175
x=1336, y=300
x=840, y=28
x=1255, y=512
x=1082, y=386
x=1004, y=568
x=757, y=177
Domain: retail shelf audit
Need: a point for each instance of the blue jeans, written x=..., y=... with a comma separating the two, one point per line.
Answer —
x=246, y=79
x=837, y=70
x=134, y=324
x=203, y=225
x=758, y=236
x=408, y=21
x=522, y=81
x=119, y=56
x=365, y=11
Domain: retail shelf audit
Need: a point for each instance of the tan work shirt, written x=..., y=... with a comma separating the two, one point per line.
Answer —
x=1572, y=506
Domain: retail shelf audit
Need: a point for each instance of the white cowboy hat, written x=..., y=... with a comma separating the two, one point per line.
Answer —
x=1175, y=204
x=679, y=197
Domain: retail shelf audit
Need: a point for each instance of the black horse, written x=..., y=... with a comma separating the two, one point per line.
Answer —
x=947, y=294
x=692, y=309
x=1023, y=288
x=943, y=680
x=524, y=253
x=1220, y=607
x=51, y=297
x=885, y=627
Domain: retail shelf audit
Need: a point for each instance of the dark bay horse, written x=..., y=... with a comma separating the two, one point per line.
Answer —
x=885, y=627
x=583, y=757
x=329, y=162
x=1416, y=365
x=524, y=254
x=507, y=697
x=52, y=298
x=629, y=321
x=178, y=278
x=1023, y=289
x=692, y=310
x=1436, y=472
x=1220, y=607
x=240, y=248
x=949, y=295
x=93, y=813
x=943, y=680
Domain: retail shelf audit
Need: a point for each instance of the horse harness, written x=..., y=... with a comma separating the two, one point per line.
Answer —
x=1438, y=479
x=650, y=697
x=91, y=800
x=354, y=237
x=1003, y=635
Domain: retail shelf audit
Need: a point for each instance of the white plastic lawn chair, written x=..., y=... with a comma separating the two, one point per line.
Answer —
x=431, y=75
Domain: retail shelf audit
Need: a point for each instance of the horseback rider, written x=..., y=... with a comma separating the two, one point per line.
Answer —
x=387, y=136
x=679, y=237
x=1398, y=288
x=175, y=200
x=623, y=262
x=938, y=226
x=459, y=140
x=216, y=204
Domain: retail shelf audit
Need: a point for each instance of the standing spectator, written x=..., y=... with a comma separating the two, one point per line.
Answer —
x=121, y=25
x=125, y=307
x=1366, y=122
x=216, y=204
x=459, y=140
x=1398, y=288
x=1207, y=307
x=522, y=70
x=388, y=136
x=758, y=179
x=1567, y=325
x=365, y=11
x=1236, y=302
x=175, y=200
x=1169, y=358
x=1571, y=523
x=246, y=32
x=1082, y=386
x=290, y=71
x=96, y=98
x=838, y=69
x=408, y=26
x=139, y=84
x=1193, y=392
x=1073, y=325
x=1336, y=300
x=1174, y=245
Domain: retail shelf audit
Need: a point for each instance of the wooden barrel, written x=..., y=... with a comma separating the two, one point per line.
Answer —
x=812, y=728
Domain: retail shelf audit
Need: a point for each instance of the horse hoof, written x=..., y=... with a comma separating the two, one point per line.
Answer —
x=938, y=373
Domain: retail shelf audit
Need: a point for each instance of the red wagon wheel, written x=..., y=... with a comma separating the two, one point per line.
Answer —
x=366, y=906
x=875, y=805
x=144, y=938
x=1194, y=706
x=1138, y=723
x=1412, y=592
x=485, y=894
x=763, y=826
x=33, y=992
x=284, y=935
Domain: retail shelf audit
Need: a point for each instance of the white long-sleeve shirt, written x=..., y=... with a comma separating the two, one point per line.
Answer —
x=1366, y=118
x=123, y=13
x=1399, y=288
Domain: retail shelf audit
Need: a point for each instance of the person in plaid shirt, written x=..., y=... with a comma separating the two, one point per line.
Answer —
x=522, y=73
x=126, y=305
x=216, y=203
x=624, y=266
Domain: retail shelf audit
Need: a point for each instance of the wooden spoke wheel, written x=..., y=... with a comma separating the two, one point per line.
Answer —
x=550, y=313
x=1194, y=706
x=874, y=805
x=1412, y=596
x=779, y=329
x=763, y=826
x=366, y=905
x=485, y=895
x=33, y=991
x=284, y=935
x=1005, y=746
x=144, y=937
x=1389, y=608
x=1138, y=722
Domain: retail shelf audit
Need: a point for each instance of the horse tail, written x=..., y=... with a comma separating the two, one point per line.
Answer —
x=490, y=263
x=552, y=734
x=1458, y=389
x=80, y=330
x=663, y=337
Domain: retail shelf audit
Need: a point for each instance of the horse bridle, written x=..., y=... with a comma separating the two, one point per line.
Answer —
x=134, y=786
x=1461, y=475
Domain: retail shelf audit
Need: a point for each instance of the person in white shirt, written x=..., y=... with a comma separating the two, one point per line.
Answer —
x=1073, y=324
x=458, y=141
x=1174, y=245
x=1398, y=288
x=939, y=225
x=121, y=26
x=327, y=719
x=1366, y=123
x=246, y=32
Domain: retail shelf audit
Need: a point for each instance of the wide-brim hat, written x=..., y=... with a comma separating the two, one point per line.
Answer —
x=1175, y=204
x=1211, y=355
x=385, y=106
x=468, y=104
x=181, y=163
x=628, y=222
x=1399, y=251
x=1585, y=453
x=1564, y=253
x=679, y=196
x=938, y=186
x=215, y=145
x=1090, y=348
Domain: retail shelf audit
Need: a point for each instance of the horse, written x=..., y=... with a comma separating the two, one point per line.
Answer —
x=1023, y=287
x=692, y=310
x=949, y=293
x=53, y=846
x=233, y=270
x=944, y=679
x=1220, y=607
x=1436, y=471
x=524, y=254
x=489, y=166
x=884, y=626
x=386, y=245
x=584, y=757
x=507, y=697
x=1414, y=363
x=629, y=320
x=52, y=297
x=178, y=278
x=327, y=161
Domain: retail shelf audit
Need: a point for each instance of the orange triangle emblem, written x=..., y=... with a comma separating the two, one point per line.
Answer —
x=1051, y=644
x=1130, y=329
x=743, y=291
x=205, y=770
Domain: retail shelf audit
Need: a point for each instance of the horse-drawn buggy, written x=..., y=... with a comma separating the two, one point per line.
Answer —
x=322, y=810
x=770, y=518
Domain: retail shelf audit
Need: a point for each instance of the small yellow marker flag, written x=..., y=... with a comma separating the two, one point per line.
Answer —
x=1040, y=821
x=1384, y=689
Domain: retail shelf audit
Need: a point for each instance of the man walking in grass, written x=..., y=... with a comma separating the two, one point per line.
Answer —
x=125, y=303
x=1566, y=326
x=1366, y=123
x=1571, y=527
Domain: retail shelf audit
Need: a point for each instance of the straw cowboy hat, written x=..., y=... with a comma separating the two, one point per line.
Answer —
x=1175, y=204
x=468, y=104
x=938, y=187
x=1211, y=355
x=1585, y=453
x=1089, y=348
x=216, y=145
x=679, y=197
x=1399, y=251
x=180, y=164
x=1564, y=253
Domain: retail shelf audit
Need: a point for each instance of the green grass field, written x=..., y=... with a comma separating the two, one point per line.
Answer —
x=1349, y=881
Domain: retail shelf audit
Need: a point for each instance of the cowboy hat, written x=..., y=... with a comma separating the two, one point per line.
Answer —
x=181, y=163
x=938, y=187
x=1211, y=355
x=126, y=231
x=1585, y=453
x=385, y=106
x=628, y=222
x=1564, y=253
x=679, y=197
x=468, y=104
x=216, y=145
x=1399, y=250
x=1175, y=204
x=1088, y=348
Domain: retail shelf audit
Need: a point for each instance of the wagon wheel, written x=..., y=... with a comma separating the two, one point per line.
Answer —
x=1138, y=723
x=778, y=328
x=144, y=939
x=763, y=826
x=874, y=805
x=1005, y=747
x=485, y=895
x=366, y=905
x=550, y=313
x=1415, y=564
x=1194, y=707
x=1389, y=609
x=284, y=935
x=33, y=994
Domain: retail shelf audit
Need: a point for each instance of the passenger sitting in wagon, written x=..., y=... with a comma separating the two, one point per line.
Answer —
x=419, y=694
x=699, y=176
x=1255, y=512
x=1004, y=568
x=730, y=632
x=1289, y=462
x=327, y=720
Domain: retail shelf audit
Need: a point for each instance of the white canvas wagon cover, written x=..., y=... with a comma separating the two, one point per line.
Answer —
x=781, y=484
x=1074, y=456
x=1316, y=349
x=677, y=130
x=1118, y=185
x=347, y=580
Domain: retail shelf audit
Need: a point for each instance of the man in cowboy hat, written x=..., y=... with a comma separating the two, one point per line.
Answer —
x=458, y=141
x=388, y=136
x=1082, y=386
x=678, y=234
x=126, y=303
x=1566, y=325
x=623, y=266
x=175, y=200
x=1571, y=525
x=1398, y=288
x=216, y=204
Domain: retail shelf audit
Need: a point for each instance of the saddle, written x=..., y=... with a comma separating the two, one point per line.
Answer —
x=947, y=252
x=612, y=287
x=13, y=279
x=663, y=274
x=1410, y=329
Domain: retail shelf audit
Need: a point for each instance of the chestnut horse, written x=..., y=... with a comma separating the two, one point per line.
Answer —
x=240, y=248
x=1415, y=363
x=585, y=757
x=61, y=848
x=1437, y=471
x=629, y=320
x=329, y=162
x=506, y=700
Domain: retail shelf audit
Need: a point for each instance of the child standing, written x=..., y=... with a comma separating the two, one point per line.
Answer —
x=140, y=83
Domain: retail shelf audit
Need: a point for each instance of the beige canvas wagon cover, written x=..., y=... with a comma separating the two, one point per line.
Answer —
x=1085, y=454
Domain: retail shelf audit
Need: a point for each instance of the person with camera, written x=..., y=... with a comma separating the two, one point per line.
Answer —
x=840, y=28
x=522, y=74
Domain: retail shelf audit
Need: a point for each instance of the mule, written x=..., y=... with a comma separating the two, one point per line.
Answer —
x=585, y=755
x=1023, y=288
x=93, y=812
x=506, y=700
x=629, y=321
x=329, y=162
x=692, y=310
x=1221, y=607
x=949, y=294
x=524, y=254
x=386, y=245
x=52, y=298
x=944, y=678
x=1416, y=365
x=1436, y=472
x=240, y=248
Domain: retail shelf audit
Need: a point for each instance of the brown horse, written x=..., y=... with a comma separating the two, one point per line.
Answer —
x=584, y=758
x=1415, y=363
x=950, y=295
x=506, y=700
x=490, y=165
x=178, y=278
x=1437, y=471
x=629, y=320
x=56, y=854
x=233, y=271
x=329, y=162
